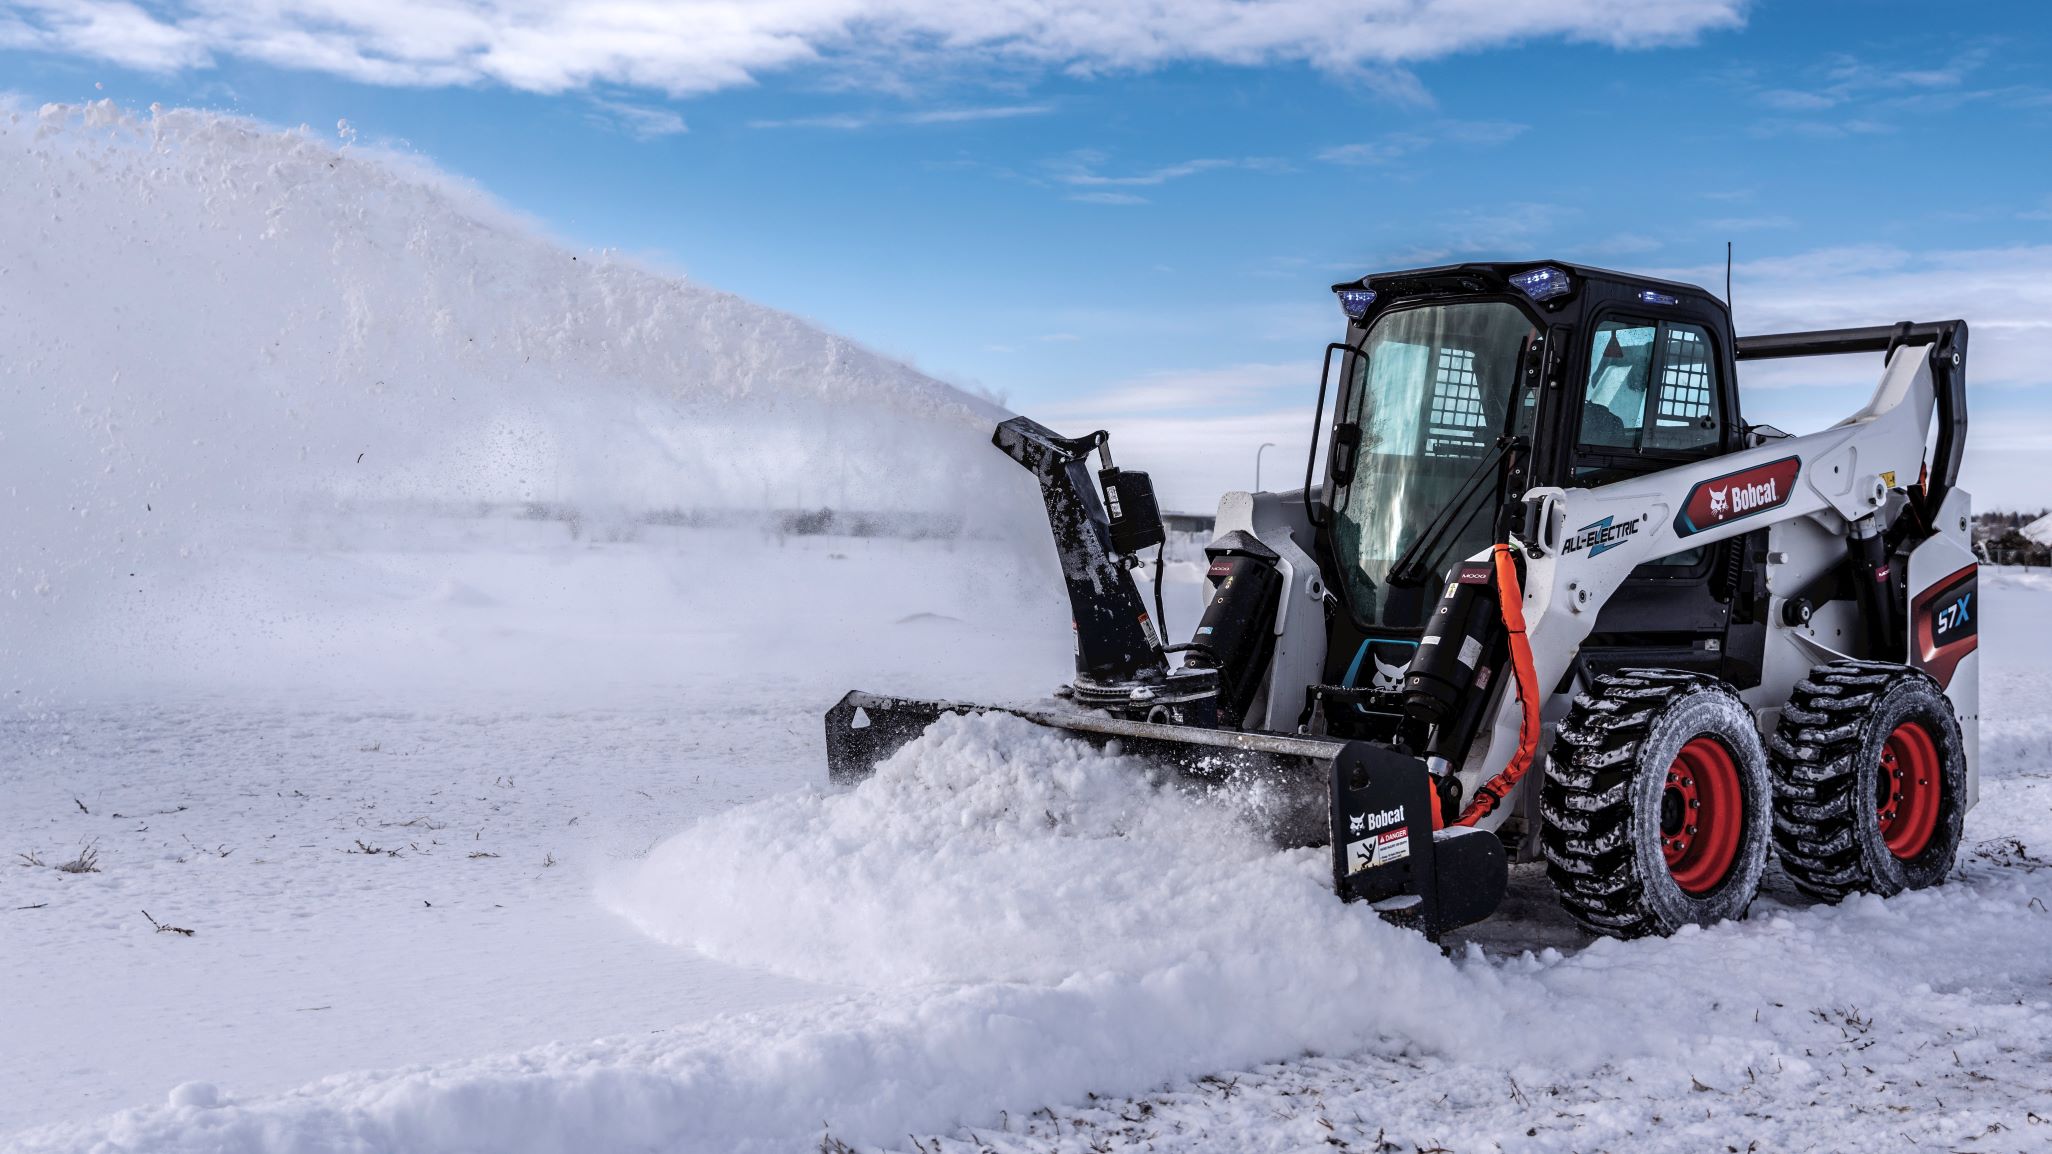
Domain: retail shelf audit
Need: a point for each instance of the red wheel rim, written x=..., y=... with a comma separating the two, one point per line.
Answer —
x=1702, y=814
x=1910, y=788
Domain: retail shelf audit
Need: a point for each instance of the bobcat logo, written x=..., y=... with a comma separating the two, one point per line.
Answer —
x=1388, y=678
x=1749, y=491
x=1357, y=824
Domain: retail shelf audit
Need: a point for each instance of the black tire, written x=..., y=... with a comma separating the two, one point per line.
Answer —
x=1841, y=826
x=1616, y=807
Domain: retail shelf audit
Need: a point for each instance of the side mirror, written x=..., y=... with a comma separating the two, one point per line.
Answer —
x=1346, y=451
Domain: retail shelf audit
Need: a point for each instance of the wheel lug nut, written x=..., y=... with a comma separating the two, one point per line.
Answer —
x=1692, y=831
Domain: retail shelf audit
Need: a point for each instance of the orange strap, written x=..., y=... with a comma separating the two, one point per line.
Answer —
x=1512, y=599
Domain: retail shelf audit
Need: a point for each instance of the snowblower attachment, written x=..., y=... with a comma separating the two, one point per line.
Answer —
x=1374, y=806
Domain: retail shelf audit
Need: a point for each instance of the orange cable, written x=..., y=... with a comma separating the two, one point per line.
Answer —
x=1512, y=599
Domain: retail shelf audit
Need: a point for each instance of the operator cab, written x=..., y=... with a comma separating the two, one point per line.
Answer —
x=1462, y=387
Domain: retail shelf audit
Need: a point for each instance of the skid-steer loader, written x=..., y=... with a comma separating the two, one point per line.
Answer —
x=1552, y=598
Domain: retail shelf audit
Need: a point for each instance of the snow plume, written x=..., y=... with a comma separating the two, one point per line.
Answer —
x=205, y=322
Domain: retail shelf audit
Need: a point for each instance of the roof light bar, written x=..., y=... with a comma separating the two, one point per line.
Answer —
x=1543, y=283
x=1355, y=302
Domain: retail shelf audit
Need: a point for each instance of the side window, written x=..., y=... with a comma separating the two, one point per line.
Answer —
x=1455, y=423
x=1651, y=387
x=1620, y=374
x=1686, y=416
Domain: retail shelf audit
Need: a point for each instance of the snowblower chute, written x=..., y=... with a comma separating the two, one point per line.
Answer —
x=1551, y=600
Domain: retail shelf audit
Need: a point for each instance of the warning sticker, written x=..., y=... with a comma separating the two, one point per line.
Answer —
x=1379, y=849
x=1471, y=652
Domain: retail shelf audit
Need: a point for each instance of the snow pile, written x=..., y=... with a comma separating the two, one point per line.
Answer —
x=992, y=849
x=212, y=328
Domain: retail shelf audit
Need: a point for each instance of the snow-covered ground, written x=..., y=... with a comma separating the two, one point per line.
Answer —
x=387, y=833
x=999, y=926
x=489, y=785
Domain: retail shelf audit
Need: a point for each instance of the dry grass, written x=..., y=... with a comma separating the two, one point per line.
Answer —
x=165, y=928
x=87, y=861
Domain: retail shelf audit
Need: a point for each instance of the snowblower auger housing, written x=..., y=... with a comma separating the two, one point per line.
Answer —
x=1550, y=599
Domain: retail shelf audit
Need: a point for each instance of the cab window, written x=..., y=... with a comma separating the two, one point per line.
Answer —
x=1685, y=416
x=1652, y=389
x=1620, y=375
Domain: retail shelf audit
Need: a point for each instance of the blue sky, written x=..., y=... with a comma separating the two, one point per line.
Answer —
x=1102, y=219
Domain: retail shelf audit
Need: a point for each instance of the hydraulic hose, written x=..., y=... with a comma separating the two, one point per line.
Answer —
x=1512, y=599
x=1160, y=618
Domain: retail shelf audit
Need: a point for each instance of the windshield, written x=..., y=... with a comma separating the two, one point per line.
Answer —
x=1431, y=396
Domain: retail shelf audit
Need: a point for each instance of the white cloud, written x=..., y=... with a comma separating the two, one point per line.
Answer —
x=1395, y=145
x=642, y=122
x=965, y=115
x=1479, y=132
x=1391, y=147
x=1080, y=168
x=1748, y=223
x=1880, y=91
x=688, y=46
x=1116, y=198
x=1484, y=234
x=1792, y=100
x=1823, y=129
x=111, y=30
x=840, y=123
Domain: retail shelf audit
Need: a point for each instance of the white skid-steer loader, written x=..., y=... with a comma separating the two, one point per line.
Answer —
x=1552, y=599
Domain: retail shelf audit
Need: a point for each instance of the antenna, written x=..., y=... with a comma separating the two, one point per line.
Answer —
x=1727, y=276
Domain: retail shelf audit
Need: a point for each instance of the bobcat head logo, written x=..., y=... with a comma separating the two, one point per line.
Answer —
x=1357, y=823
x=1388, y=678
x=1720, y=501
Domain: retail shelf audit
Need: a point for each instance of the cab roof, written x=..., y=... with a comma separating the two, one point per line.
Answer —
x=1489, y=277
